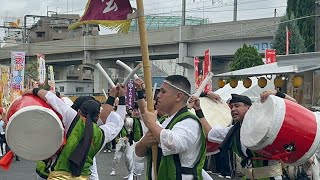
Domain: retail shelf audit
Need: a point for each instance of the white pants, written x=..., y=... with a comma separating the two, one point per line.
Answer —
x=123, y=147
x=205, y=175
x=138, y=165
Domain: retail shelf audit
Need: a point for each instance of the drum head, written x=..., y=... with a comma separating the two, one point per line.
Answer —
x=34, y=133
x=262, y=123
x=216, y=113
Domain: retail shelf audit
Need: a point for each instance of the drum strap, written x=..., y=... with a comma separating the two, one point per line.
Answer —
x=226, y=144
x=277, y=157
x=73, y=124
x=263, y=172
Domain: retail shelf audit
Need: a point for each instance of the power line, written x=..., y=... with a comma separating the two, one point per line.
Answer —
x=203, y=8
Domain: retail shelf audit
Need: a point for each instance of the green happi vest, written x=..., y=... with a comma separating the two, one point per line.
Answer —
x=123, y=132
x=62, y=161
x=137, y=129
x=43, y=169
x=169, y=167
x=236, y=147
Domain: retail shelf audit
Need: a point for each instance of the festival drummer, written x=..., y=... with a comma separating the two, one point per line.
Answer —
x=181, y=150
x=229, y=137
x=85, y=138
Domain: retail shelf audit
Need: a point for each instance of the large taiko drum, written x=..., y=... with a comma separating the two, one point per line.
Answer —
x=280, y=129
x=34, y=131
x=216, y=113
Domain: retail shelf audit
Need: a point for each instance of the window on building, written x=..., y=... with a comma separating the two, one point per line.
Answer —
x=61, y=88
x=59, y=31
x=40, y=34
x=79, y=89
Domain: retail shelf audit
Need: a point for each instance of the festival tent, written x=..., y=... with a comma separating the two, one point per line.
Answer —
x=252, y=92
x=268, y=69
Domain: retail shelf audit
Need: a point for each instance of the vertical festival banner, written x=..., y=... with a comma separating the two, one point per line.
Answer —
x=41, y=68
x=51, y=82
x=207, y=69
x=131, y=94
x=196, y=72
x=6, y=81
x=270, y=56
x=17, y=69
x=1, y=87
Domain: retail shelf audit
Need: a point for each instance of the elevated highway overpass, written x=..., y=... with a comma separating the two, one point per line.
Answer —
x=182, y=43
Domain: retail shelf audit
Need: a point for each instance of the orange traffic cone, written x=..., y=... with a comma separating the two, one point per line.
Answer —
x=6, y=160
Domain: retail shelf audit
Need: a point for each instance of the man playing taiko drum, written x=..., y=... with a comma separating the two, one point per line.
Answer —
x=84, y=138
x=229, y=137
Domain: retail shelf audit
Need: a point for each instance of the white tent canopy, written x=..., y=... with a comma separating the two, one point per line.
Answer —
x=252, y=92
x=273, y=68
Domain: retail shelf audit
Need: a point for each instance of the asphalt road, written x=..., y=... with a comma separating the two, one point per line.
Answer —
x=25, y=170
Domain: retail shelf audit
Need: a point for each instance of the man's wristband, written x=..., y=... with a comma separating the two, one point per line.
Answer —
x=140, y=94
x=35, y=91
x=204, y=94
x=122, y=100
x=199, y=113
x=111, y=100
x=280, y=94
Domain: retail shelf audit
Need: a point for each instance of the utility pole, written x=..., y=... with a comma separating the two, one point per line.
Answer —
x=67, y=7
x=183, y=13
x=235, y=10
x=274, y=24
x=317, y=26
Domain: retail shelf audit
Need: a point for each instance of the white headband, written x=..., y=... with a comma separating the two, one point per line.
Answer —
x=177, y=88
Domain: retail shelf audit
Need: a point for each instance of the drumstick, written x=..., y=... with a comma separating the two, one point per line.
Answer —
x=203, y=84
x=154, y=89
x=105, y=75
x=132, y=73
x=126, y=67
x=105, y=94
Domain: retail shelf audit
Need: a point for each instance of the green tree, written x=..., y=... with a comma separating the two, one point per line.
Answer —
x=245, y=57
x=31, y=70
x=306, y=26
x=32, y=73
x=296, y=42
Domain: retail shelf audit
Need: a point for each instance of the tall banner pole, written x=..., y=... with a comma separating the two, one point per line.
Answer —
x=146, y=71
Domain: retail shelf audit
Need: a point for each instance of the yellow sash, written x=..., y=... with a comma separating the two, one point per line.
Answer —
x=63, y=175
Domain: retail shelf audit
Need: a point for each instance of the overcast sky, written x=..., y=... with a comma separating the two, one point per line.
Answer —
x=215, y=10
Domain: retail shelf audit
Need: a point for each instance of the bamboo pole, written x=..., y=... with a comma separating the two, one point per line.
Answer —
x=147, y=72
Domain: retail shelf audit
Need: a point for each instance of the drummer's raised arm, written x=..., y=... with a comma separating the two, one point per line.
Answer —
x=121, y=110
x=211, y=95
x=266, y=94
x=195, y=103
x=56, y=103
x=112, y=122
x=141, y=102
x=108, y=107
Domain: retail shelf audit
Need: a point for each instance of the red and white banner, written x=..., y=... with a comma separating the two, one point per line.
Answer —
x=270, y=56
x=287, y=41
x=41, y=68
x=207, y=68
x=197, y=76
x=51, y=82
x=18, y=60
